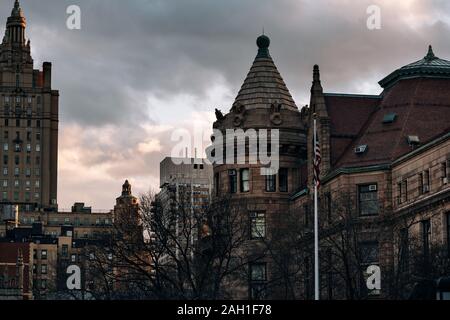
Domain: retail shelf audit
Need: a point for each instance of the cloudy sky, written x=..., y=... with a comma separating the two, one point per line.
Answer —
x=139, y=69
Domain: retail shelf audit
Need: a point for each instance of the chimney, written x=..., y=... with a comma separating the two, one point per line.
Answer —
x=47, y=69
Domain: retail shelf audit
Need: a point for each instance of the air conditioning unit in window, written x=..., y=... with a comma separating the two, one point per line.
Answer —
x=373, y=187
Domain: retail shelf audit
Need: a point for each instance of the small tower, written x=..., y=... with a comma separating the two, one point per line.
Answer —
x=126, y=213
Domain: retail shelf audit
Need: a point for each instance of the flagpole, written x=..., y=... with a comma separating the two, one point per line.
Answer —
x=316, y=225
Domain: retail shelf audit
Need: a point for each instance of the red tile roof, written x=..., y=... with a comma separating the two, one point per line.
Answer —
x=348, y=116
x=422, y=106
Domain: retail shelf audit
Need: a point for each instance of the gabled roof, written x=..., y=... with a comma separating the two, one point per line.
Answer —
x=429, y=66
x=264, y=85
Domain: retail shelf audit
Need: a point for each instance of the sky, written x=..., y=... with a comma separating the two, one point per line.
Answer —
x=138, y=70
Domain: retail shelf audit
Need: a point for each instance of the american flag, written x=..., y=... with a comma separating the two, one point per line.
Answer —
x=317, y=161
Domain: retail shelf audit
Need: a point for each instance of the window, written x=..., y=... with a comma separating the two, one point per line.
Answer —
x=5, y=146
x=44, y=254
x=16, y=196
x=5, y=183
x=448, y=233
x=44, y=269
x=329, y=206
x=444, y=173
x=258, y=278
x=426, y=182
x=6, y=135
x=389, y=118
x=405, y=191
x=404, y=250
x=28, y=147
x=5, y=160
x=38, y=148
x=283, y=177
x=38, y=136
x=426, y=237
x=17, y=160
x=271, y=183
x=233, y=180
x=306, y=215
x=38, y=123
x=5, y=195
x=16, y=172
x=65, y=250
x=16, y=183
x=257, y=225
x=216, y=183
x=5, y=171
x=28, y=172
x=17, y=123
x=420, y=183
x=73, y=258
x=368, y=253
x=368, y=200
x=245, y=180
x=37, y=184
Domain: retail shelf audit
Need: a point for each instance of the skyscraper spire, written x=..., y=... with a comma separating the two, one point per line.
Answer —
x=15, y=26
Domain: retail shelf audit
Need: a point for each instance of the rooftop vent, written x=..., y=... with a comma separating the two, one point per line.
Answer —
x=413, y=140
x=361, y=149
x=389, y=118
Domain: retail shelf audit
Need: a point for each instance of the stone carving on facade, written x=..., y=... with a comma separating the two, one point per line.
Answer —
x=240, y=112
x=275, y=116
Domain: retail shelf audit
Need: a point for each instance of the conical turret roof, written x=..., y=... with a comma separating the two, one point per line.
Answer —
x=264, y=85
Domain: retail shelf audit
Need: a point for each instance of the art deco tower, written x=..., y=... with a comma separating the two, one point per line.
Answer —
x=28, y=123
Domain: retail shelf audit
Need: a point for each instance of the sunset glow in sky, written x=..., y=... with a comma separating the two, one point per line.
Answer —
x=139, y=69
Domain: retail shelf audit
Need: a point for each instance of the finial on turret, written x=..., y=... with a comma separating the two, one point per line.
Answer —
x=263, y=43
x=316, y=73
x=430, y=55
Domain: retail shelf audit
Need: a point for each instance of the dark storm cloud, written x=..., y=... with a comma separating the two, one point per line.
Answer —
x=166, y=50
x=127, y=49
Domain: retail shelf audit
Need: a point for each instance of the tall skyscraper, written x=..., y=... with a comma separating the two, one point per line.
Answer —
x=28, y=123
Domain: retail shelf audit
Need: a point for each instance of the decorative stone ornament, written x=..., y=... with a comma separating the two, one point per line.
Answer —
x=239, y=117
x=275, y=116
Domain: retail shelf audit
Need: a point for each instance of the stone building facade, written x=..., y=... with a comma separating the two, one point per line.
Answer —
x=384, y=172
x=384, y=198
x=28, y=122
x=263, y=103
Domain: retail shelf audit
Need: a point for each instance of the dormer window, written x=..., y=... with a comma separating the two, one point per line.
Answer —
x=389, y=118
x=361, y=149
